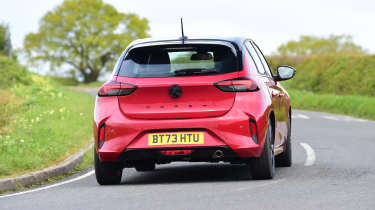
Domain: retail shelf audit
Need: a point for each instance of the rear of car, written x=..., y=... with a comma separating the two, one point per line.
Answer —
x=172, y=101
x=190, y=69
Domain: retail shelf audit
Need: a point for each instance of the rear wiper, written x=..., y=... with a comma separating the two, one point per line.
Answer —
x=194, y=71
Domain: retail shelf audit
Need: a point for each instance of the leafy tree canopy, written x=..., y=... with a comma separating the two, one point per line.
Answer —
x=313, y=45
x=88, y=35
x=5, y=42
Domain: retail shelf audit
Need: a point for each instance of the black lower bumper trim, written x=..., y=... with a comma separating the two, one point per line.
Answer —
x=130, y=156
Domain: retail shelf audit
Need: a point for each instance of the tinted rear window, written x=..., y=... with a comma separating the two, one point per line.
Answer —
x=178, y=60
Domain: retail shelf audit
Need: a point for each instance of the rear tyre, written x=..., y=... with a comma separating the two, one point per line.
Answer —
x=145, y=166
x=264, y=166
x=107, y=173
x=285, y=158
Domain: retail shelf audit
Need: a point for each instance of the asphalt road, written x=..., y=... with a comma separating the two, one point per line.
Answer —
x=333, y=168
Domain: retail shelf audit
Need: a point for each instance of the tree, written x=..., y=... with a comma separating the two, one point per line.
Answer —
x=87, y=35
x=312, y=45
x=5, y=42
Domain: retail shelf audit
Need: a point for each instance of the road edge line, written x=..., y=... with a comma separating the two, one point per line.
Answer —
x=50, y=186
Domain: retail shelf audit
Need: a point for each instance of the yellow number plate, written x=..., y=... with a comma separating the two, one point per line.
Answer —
x=175, y=138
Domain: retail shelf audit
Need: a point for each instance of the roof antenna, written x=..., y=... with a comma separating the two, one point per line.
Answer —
x=182, y=31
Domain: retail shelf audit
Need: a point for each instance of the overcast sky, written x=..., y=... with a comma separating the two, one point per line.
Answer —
x=269, y=23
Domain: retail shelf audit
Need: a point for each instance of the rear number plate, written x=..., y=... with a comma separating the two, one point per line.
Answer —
x=175, y=138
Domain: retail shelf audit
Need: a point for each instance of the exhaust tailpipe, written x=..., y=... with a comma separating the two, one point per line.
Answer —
x=218, y=154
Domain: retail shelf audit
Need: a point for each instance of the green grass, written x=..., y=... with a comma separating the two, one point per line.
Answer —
x=48, y=125
x=357, y=106
x=91, y=84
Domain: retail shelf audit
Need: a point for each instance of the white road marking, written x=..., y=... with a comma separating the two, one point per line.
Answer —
x=344, y=118
x=352, y=119
x=300, y=116
x=310, y=154
x=256, y=186
x=51, y=186
x=330, y=118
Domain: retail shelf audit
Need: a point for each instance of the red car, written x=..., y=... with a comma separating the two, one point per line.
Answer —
x=205, y=100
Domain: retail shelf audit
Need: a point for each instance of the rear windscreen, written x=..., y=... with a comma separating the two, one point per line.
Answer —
x=178, y=60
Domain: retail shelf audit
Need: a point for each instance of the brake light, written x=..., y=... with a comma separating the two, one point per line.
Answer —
x=114, y=88
x=237, y=85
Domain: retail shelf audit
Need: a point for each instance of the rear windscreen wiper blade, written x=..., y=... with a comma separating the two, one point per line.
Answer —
x=194, y=71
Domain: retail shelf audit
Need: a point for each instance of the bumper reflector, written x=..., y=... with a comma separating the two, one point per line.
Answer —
x=101, y=135
x=253, y=130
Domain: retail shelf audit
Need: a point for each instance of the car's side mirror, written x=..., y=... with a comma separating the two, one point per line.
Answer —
x=285, y=73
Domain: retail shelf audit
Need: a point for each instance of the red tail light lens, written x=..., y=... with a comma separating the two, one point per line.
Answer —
x=114, y=88
x=237, y=85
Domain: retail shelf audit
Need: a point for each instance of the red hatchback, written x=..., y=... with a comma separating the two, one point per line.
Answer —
x=192, y=100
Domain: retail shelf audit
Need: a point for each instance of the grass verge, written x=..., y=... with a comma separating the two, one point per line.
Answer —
x=87, y=161
x=357, y=106
x=48, y=125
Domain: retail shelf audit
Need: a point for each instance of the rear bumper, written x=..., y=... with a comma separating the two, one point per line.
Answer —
x=126, y=137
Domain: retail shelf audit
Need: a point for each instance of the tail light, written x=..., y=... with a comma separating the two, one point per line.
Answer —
x=114, y=88
x=253, y=130
x=237, y=85
x=101, y=135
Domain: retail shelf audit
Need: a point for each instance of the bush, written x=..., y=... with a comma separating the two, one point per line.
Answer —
x=342, y=75
x=12, y=73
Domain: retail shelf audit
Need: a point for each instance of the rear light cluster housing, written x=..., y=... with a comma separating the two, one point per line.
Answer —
x=114, y=88
x=237, y=85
